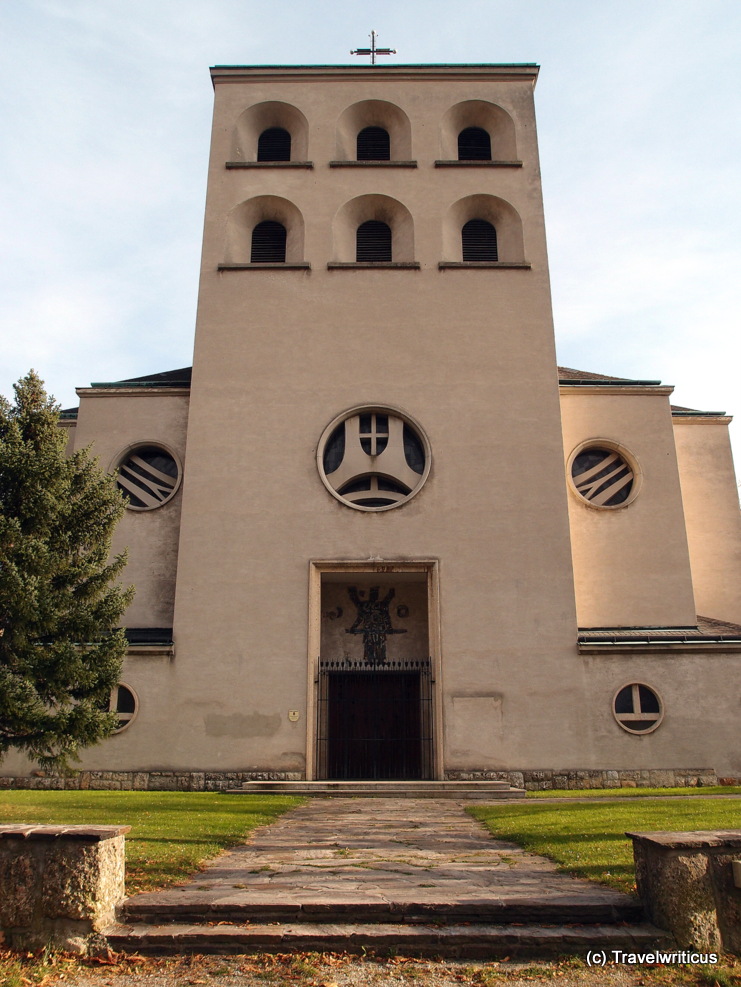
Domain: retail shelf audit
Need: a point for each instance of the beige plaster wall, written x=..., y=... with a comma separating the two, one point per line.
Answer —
x=711, y=510
x=467, y=353
x=701, y=695
x=69, y=428
x=631, y=563
x=113, y=420
x=143, y=744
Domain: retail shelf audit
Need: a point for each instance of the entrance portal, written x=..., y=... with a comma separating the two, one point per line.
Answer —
x=376, y=723
x=374, y=699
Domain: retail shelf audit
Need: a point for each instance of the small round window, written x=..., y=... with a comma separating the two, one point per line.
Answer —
x=637, y=708
x=603, y=476
x=123, y=701
x=373, y=459
x=148, y=476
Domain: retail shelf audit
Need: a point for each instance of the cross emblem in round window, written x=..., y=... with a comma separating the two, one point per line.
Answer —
x=373, y=459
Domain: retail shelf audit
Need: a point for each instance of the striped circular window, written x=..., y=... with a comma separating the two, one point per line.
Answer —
x=148, y=476
x=603, y=477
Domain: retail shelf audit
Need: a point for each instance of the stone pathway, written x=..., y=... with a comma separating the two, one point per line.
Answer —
x=345, y=851
x=416, y=876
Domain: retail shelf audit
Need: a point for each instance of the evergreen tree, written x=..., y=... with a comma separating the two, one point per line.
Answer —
x=59, y=597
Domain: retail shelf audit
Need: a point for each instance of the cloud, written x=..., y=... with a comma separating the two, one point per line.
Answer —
x=105, y=110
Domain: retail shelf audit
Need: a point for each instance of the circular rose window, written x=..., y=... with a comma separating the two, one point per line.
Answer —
x=637, y=708
x=603, y=477
x=373, y=459
x=123, y=701
x=148, y=476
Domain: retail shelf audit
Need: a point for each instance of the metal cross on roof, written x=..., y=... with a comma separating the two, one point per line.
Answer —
x=373, y=51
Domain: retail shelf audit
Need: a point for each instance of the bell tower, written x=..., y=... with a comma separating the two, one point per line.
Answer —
x=374, y=417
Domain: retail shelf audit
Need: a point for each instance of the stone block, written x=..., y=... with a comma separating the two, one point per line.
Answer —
x=20, y=877
x=161, y=782
x=685, y=881
x=661, y=779
x=60, y=884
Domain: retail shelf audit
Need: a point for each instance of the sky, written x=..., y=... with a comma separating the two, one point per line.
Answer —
x=105, y=110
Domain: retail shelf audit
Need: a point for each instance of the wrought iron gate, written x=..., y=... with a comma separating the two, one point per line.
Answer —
x=375, y=721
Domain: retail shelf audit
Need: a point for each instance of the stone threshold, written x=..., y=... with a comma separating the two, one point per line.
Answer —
x=384, y=789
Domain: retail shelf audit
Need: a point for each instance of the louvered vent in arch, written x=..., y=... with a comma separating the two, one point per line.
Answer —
x=479, y=240
x=274, y=144
x=474, y=144
x=373, y=241
x=268, y=243
x=374, y=144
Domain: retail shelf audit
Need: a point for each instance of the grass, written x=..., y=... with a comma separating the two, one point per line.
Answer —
x=172, y=833
x=611, y=793
x=588, y=838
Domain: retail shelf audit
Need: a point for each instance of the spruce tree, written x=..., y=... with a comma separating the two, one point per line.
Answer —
x=59, y=593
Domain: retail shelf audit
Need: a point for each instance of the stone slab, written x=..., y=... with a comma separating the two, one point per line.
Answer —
x=88, y=834
x=469, y=940
x=391, y=855
x=690, y=840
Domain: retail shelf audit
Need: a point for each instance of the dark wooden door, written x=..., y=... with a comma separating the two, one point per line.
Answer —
x=374, y=726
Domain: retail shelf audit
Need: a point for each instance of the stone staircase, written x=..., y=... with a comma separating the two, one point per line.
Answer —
x=395, y=875
x=465, y=790
x=484, y=930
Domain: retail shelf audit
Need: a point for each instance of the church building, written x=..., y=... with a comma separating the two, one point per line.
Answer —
x=375, y=532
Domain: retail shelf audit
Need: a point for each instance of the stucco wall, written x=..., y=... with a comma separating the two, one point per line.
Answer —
x=631, y=563
x=711, y=510
x=112, y=420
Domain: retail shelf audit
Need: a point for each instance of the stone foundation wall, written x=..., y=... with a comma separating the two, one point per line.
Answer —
x=570, y=778
x=60, y=885
x=152, y=781
x=217, y=781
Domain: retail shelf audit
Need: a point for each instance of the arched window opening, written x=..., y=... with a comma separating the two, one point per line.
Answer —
x=373, y=241
x=474, y=144
x=479, y=240
x=374, y=144
x=268, y=243
x=274, y=144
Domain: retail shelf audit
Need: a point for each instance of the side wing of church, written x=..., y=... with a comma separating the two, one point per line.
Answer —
x=376, y=532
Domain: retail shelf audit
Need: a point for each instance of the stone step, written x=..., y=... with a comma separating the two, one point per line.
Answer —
x=384, y=789
x=466, y=941
x=581, y=909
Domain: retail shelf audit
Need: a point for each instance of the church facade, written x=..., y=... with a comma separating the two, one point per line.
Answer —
x=375, y=531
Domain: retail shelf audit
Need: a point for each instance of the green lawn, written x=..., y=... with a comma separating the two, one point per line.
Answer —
x=172, y=833
x=611, y=793
x=587, y=838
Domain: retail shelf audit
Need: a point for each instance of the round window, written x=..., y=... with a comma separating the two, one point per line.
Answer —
x=148, y=476
x=602, y=476
x=637, y=708
x=373, y=459
x=123, y=701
